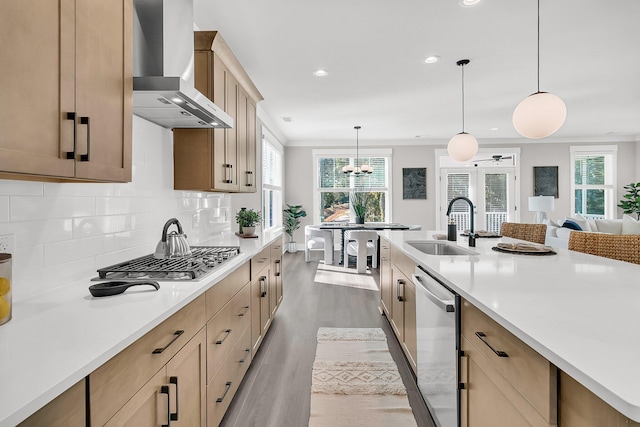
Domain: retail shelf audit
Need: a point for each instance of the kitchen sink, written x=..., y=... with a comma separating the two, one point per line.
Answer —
x=440, y=248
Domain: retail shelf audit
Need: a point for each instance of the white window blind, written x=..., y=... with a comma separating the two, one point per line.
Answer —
x=271, y=166
x=593, y=181
x=272, y=172
x=458, y=186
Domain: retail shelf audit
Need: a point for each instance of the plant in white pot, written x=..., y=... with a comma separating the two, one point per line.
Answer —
x=360, y=202
x=630, y=204
x=292, y=223
x=247, y=219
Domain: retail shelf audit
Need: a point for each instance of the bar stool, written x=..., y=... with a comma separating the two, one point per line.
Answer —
x=318, y=239
x=361, y=244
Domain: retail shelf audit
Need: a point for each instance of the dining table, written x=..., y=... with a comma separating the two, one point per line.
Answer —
x=344, y=226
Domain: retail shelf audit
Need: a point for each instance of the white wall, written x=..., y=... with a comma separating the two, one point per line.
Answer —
x=300, y=180
x=63, y=232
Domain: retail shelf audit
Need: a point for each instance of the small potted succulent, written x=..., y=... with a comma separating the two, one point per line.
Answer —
x=247, y=219
x=292, y=223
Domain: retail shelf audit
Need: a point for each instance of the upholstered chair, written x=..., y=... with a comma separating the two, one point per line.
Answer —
x=317, y=239
x=361, y=244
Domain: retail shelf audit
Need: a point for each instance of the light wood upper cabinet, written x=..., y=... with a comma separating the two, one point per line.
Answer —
x=219, y=159
x=66, y=84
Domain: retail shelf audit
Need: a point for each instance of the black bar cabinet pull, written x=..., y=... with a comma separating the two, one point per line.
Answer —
x=72, y=154
x=227, y=332
x=246, y=353
x=85, y=121
x=278, y=268
x=165, y=390
x=226, y=390
x=263, y=287
x=483, y=338
x=176, y=335
x=246, y=310
x=174, y=380
x=399, y=296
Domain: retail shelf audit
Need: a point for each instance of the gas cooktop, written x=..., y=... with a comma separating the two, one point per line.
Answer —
x=203, y=260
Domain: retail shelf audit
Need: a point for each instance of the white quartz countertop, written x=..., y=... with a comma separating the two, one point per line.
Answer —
x=57, y=338
x=579, y=311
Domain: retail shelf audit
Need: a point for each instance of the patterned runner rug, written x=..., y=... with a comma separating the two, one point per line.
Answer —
x=342, y=276
x=355, y=381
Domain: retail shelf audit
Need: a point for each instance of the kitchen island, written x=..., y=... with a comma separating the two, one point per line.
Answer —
x=58, y=338
x=580, y=312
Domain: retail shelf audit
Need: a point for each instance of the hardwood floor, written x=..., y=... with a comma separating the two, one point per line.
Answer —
x=276, y=390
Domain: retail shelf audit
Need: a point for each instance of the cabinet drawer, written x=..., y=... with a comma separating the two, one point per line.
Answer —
x=222, y=292
x=225, y=328
x=276, y=249
x=112, y=384
x=534, y=377
x=402, y=262
x=225, y=383
x=259, y=261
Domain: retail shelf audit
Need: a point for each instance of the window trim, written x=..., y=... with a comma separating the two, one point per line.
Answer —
x=612, y=150
x=347, y=152
x=268, y=138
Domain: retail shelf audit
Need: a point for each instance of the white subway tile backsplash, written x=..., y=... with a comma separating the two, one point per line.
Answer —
x=78, y=189
x=37, y=232
x=10, y=187
x=70, y=250
x=30, y=208
x=4, y=208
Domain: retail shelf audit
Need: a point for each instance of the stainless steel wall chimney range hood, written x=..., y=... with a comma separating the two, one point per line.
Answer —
x=163, y=82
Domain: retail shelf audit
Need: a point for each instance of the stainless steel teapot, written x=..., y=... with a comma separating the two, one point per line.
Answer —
x=172, y=245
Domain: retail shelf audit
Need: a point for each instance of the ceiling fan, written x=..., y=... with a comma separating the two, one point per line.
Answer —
x=495, y=158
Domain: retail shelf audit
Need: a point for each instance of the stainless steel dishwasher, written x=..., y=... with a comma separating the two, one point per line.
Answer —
x=438, y=332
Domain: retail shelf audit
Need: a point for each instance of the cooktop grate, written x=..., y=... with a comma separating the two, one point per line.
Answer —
x=203, y=260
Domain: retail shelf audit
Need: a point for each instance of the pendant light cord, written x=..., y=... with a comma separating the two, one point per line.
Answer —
x=462, y=66
x=538, y=46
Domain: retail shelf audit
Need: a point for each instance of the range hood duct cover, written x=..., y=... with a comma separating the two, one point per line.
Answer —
x=163, y=64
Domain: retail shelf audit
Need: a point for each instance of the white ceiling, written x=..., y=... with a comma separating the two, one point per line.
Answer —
x=374, y=52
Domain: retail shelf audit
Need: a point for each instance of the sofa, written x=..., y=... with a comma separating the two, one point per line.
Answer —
x=558, y=231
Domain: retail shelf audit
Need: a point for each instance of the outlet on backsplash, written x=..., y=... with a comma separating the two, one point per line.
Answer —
x=6, y=243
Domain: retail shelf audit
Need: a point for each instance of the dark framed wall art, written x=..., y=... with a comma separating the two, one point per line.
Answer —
x=545, y=181
x=414, y=183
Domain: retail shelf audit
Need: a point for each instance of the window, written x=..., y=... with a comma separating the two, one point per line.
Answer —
x=593, y=185
x=333, y=187
x=271, y=184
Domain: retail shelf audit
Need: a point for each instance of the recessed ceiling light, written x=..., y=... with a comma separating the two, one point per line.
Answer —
x=493, y=129
x=421, y=136
x=320, y=73
x=287, y=119
x=431, y=59
x=468, y=3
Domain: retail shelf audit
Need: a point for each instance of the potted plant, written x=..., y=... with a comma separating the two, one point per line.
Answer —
x=292, y=223
x=360, y=203
x=631, y=202
x=247, y=219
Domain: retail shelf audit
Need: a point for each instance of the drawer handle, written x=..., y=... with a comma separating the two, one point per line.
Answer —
x=263, y=286
x=176, y=335
x=483, y=338
x=174, y=381
x=400, y=295
x=86, y=121
x=277, y=268
x=246, y=353
x=246, y=310
x=165, y=390
x=226, y=390
x=227, y=332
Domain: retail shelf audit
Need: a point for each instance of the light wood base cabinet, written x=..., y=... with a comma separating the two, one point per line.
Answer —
x=66, y=410
x=66, y=85
x=506, y=383
x=579, y=407
x=386, y=279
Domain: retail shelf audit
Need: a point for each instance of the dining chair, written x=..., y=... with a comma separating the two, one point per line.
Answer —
x=361, y=244
x=623, y=247
x=318, y=239
x=535, y=233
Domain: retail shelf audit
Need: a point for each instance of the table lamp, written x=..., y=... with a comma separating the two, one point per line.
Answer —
x=541, y=205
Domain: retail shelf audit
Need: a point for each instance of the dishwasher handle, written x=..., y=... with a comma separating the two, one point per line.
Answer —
x=448, y=305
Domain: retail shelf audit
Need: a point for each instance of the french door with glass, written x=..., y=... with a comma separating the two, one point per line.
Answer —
x=491, y=190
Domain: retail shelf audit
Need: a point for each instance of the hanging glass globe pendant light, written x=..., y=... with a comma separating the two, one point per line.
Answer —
x=540, y=114
x=357, y=170
x=463, y=146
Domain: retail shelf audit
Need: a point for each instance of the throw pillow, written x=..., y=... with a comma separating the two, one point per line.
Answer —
x=630, y=225
x=611, y=226
x=563, y=233
x=582, y=222
x=571, y=224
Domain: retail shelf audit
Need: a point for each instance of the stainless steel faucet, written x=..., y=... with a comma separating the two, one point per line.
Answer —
x=472, y=234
